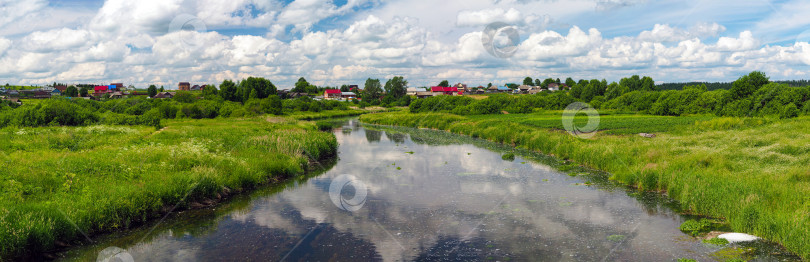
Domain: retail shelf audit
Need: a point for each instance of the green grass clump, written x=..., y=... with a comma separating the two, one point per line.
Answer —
x=752, y=172
x=105, y=178
x=716, y=241
x=508, y=157
x=616, y=238
x=696, y=227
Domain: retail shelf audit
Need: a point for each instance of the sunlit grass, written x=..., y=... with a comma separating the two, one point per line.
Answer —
x=104, y=178
x=752, y=172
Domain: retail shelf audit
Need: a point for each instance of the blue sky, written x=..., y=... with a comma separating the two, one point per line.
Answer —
x=343, y=42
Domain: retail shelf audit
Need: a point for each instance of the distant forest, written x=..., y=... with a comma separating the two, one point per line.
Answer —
x=725, y=85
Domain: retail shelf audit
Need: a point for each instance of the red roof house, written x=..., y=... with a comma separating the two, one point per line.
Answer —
x=331, y=93
x=446, y=90
x=101, y=89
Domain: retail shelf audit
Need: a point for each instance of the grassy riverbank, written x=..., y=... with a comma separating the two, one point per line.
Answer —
x=751, y=171
x=59, y=183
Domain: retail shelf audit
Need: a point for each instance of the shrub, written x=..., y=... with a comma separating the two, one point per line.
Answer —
x=789, y=111
x=508, y=157
x=184, y=97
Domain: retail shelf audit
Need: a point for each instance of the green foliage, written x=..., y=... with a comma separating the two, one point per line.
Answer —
x=396, y=87
x=152, y=90
x=300, y=86
x=716, y=241
x=748, y=84
x=616, y=238
x=696, y=227
x=372, y=90
x=71, y=91
x=444, y=83
x=528, y=81
x=508, y=157
x=256, y=87
x=184, y=97
x=227, y=90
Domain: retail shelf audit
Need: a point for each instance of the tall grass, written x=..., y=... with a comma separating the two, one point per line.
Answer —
x=103, y=178
x=754, y=173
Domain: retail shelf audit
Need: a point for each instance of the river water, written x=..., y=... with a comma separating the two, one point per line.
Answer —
x=408, y=194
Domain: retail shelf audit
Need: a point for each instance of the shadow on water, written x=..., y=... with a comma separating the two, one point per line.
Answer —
x=430, y=195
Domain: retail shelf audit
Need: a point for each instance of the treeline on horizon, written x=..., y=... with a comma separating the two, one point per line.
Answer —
x=750, y=95
x=724, y=85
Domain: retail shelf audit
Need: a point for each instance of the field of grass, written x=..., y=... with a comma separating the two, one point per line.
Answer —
x=609, y=122
x=752, y=172
x=58, y=183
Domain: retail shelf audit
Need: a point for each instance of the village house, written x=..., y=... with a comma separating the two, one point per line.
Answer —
x=117, y=86
x=42, y=94
x=425, y=94
x=446, y=90
x=554, y=86
x=164, y=95
x=461, y=87
x=524, y=89
x=100, y=90
x=331, y=94
x=197, y=88
x=348, y=95
x=116, y=95
x=184, y=86
x=411, y=91
x=501, y=89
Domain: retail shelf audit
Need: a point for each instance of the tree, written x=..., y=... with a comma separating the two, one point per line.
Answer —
x=538, y=82
x=210, y=92
x=396, y=87
x=263, y=87
x=570, y=82
x=614, y=90
x=83, y=92
x=748, y=84
x=71, y=91
x=184, y=97
x=300, y=86
x=344, y=88
x=489, y=85
x=444, y=83
x=227, y=90
x=152, y=90
x=647, y=84
x=545, y=83
x=312, y=89
x=372, y=89
x=528, y=81
x=161, y=89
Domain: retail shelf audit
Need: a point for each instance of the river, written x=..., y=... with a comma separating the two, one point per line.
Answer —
x=407, y=194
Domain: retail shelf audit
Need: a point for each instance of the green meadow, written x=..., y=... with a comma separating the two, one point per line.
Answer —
x=59, y=183
x=751, y=172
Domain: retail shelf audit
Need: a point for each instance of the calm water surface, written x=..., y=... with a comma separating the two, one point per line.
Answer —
x=429, y=195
